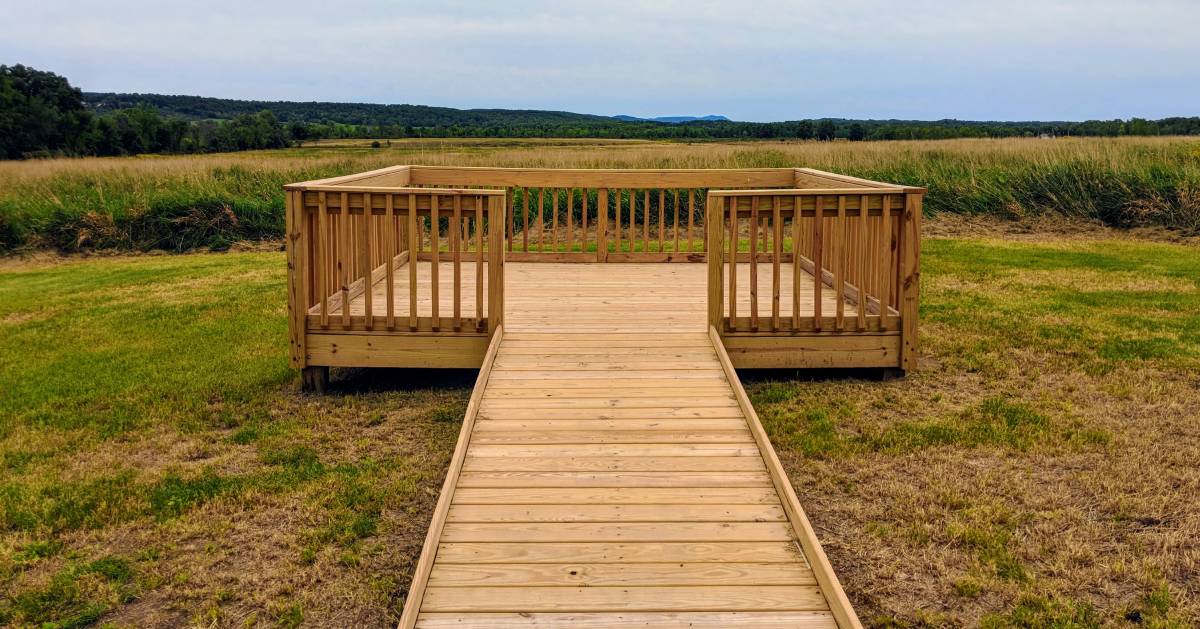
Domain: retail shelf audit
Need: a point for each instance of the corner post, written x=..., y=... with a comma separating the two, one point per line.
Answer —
x=496, y=209
x=910, y=278
x=714, y=224
x=297, y=241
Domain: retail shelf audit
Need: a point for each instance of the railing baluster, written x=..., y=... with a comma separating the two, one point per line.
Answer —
x=797, y=268
x=323, y=249
x=860, y=251
x=733, y=250
x=508, y=200
x=570, y=219
x=583, y=222
x=414, y=248
x=691, y=194
x=602, y=195
x=818, y=259
x=479, y=258
x=839, y=278
x=775, y=262
x=541, y=220
x=455, y=252
x=617, y=223
x=554, y=222
x=662, y=218
x=344, y=257
x=646, y=221
x=872, y=258
x=435, y=259
x=633, y=220
x=766, y=234
x=885, y=267
x=389, y=246
x=525, y=220
x=364, y=259
x=754, y=263
x=675, y=219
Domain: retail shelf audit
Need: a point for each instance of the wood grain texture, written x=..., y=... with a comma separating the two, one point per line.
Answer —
x=610, y=472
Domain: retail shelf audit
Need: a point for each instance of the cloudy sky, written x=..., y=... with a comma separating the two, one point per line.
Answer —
x=770, y=60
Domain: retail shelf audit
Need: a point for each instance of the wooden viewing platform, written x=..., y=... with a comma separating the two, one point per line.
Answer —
x=610, y=470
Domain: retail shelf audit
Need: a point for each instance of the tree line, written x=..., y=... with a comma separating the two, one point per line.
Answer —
x=42, y=114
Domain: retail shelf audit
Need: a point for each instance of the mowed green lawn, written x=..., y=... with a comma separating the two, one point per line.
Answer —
x=160, y=467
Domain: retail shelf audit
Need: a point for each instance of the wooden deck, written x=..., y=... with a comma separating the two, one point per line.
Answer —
x=612, y=473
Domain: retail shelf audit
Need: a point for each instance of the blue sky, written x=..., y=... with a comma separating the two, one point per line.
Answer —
x=768, y=60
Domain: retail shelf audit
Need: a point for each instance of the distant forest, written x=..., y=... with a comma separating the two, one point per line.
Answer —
x=41, y=114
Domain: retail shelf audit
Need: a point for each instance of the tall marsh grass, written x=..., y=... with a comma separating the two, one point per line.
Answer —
x=183, y=202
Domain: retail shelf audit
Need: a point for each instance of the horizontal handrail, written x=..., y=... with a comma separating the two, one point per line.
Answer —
x=392, y=189
x=807, y=192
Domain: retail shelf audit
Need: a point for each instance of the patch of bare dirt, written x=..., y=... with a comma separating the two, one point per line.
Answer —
x=1044, y=227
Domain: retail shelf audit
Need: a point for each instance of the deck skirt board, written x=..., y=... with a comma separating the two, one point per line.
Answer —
x=615, y=479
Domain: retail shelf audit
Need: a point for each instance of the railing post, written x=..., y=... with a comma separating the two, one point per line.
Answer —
x=910, y=283
x=497, y=211
x=298, y=242
x=714, y=224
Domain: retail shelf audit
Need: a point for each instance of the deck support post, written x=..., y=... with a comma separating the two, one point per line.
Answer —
x=714, y=224
x=496, y=210
x=910, y=278
x=314, y=379
x=298, y=242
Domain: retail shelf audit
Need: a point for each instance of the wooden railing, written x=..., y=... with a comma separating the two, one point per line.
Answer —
x=419, y=251
x=355, y=247
x=846, y=259
x=599, y=215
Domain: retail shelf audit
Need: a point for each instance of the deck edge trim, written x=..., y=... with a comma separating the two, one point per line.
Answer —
x=839, y=604
x=416, y=589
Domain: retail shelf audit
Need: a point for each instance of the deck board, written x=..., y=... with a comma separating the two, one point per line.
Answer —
x=611, y=477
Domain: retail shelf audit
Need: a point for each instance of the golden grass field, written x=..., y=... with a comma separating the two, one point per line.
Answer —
x=182, y=202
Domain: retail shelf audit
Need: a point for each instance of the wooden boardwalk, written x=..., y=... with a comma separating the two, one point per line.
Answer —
x=611, y=472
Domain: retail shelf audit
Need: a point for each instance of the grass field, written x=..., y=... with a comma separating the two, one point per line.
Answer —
x=160, y=467
x=183, y=202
